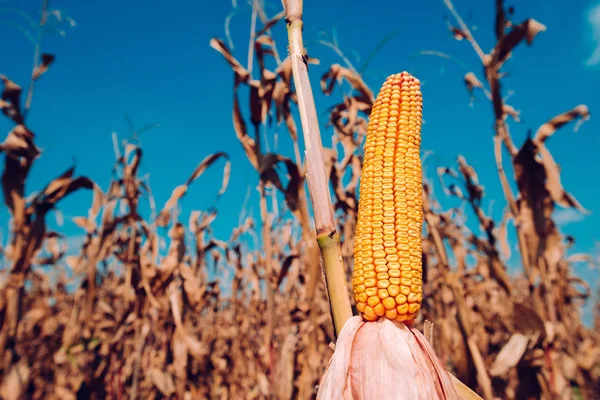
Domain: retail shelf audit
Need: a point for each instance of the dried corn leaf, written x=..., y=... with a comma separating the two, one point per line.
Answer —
x=162, y=380
x=472, y=82
x=241, y=73
x=11, y=96
x=270, y=23
x=338, y=73
x=553, y=182
x=526, y=30
x=41, y=69
x=19, y=143
x=180, y=191
x=510, y=355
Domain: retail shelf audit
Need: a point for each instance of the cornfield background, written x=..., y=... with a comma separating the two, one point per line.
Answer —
x=153, y=304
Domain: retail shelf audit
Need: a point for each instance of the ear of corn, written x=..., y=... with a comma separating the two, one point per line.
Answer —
x=387, y=275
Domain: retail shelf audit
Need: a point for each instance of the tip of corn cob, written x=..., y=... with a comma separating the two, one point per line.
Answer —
x=387, y=275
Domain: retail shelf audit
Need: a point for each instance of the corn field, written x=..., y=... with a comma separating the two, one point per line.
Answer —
x=151, y=306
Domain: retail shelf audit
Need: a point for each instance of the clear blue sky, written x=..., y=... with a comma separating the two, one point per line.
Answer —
x=152, y=60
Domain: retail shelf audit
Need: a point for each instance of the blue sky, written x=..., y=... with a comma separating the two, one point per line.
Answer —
x=152, y=60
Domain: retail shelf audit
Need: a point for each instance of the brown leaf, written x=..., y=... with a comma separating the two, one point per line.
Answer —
x=247, y=142
x=588, y=355
x=553, y=182
x=97, y=202
x=32, y=317
x=19, y=143
x=85, y=223
x=285, y=267
x=568, y=366
x=162, y=380
x=472, y=82
x=207, y=220
x=11, y=95
x=526, y=30
x=284, y=375
x=15, y=382
x=180, y=363
x=533, y=28
x=268, y=174
x=207, y=162
x=509, y=110
x=535, y=204
x=527, y=321
x=336, y=73
x=282, y=96
x=269, y=24
x=581, y=257
x=242, y=74
x=195, y=347
x=457, y=33
x=65, y=394
x=47, y=59
x=61, y=187
x=255, y=102
x=265, y=40
x=178, y=193
x=54, y=248
x=547, y=129
x=510, y=355
x=503, y=234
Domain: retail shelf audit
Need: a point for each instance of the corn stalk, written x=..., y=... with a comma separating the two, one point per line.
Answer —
x=327, y=235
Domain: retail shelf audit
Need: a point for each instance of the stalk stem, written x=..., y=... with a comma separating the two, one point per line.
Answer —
x=327, y=236
x=335, y=278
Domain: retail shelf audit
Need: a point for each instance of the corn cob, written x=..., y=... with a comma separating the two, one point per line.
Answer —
x=387, y=274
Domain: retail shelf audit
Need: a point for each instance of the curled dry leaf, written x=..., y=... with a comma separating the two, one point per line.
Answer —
x=338, y=73
x=248, y=143
x=472, y=82
x=61, y=187
x=41, y=69
x=241, y=73
x=458, y=34
x=19, y=143
x=268, y=174
x=180, y=191
x=547, y=129
x=11, y=100
x=270, y=23
x=510, y=355
x=56, y=248
x=195, y=347
x=526, y=30
x=553, y=183
x=509, y=110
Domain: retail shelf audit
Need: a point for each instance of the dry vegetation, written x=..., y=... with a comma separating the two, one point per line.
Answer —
x=146, y=323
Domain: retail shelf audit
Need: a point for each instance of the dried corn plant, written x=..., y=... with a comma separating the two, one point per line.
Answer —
x=520, y=336
x=152, y=306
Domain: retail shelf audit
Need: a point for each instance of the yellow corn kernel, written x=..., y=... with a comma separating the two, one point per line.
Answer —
x=387, y=275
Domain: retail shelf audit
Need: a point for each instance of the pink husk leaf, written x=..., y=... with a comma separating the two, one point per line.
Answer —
x=384, y=359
